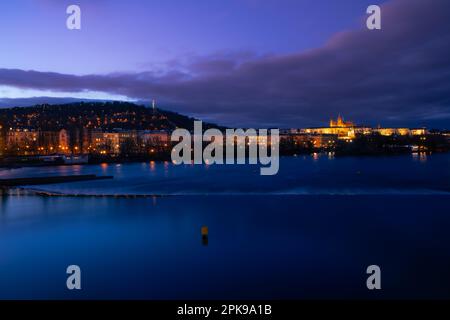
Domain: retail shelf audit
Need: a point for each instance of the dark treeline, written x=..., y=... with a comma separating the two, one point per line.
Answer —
x=94, y=115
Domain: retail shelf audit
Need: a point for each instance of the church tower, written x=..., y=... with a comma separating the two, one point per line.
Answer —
x=340, y=121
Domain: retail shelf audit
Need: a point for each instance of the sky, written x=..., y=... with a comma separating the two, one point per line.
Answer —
x=258, y=63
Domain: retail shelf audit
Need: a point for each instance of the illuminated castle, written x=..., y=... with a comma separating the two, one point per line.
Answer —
x=347, y=130
x=340, y=123
x=340, y=128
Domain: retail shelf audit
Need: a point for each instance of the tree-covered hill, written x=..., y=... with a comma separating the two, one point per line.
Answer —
x=94, y=115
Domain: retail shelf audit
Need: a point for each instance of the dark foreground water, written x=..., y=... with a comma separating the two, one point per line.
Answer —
x=309, y=232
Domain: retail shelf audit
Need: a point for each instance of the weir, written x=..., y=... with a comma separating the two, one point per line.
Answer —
x=16, y=182
x=44, y=193
x=13, y=186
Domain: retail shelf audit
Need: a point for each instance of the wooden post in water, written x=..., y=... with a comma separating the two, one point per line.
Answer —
x=205, y=233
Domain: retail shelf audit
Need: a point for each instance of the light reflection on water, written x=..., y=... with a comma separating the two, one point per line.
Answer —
x=258, y=247
x=284, y=246
x=420, y=156
x=308, y=174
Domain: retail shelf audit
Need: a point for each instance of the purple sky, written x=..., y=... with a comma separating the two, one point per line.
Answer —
x=236, y=62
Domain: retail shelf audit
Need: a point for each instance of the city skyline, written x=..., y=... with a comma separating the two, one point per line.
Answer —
x=124, y=129
x=337, y=120
x=306, y=64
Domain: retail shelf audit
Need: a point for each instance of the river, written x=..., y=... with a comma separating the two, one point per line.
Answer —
x=308, y=232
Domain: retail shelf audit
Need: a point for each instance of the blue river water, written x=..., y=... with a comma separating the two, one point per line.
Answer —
x=309, y=232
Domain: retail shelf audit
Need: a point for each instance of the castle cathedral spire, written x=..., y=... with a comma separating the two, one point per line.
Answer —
x=340, y=121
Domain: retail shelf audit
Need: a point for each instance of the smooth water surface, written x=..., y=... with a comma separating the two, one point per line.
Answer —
x=309, y=232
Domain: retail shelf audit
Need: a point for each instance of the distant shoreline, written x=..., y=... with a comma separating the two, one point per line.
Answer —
x=20, y=163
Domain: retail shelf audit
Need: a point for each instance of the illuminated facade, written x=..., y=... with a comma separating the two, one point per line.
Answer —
x=317, y=141
x=155, y=138
x=22, y=142
x=419, y=131
x=346, y=130
x=342, y=129
x=393, y=131
x=401, y=131
x=340, y=123
x=30, y=142
x=63, y=139
x=105, y=142
x=75, y=140
x=2, y=140
x=113, y=142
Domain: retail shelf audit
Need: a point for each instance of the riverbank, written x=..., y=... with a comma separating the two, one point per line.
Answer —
x=36, y=161
x=21, y=162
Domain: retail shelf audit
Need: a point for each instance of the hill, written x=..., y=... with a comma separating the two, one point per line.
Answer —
x=95, y=115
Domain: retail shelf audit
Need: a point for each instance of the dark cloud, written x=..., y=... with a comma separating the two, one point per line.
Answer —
x=400, y=74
